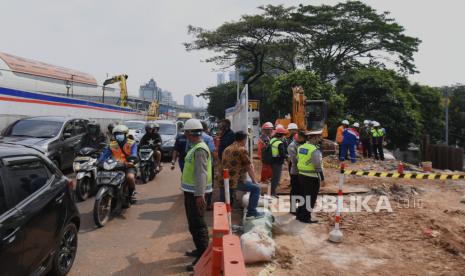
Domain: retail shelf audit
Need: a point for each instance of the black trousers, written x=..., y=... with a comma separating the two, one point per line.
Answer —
x=196, y=221
x=309, y=187
x=378, y=150
x=367, y=148
x=294, y=191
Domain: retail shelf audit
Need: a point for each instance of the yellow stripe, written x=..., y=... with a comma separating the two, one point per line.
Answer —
x=431, y=176
x=359, y=173
x=395, y=175
x=384, y=174
x=419, y=176
x=408, y=175
x=455, y=177
x=371, y=173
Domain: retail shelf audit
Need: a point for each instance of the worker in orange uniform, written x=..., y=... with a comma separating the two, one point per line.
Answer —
x=263, y=141
x=340, y=136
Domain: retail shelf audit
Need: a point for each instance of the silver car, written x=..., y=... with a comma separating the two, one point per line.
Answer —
x=136, y=129
x=168, y=132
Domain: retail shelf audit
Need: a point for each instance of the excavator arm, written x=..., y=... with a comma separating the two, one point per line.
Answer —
x=123, y=87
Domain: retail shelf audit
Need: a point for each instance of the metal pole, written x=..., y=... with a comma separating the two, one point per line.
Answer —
x=238, y=85
x=72, y=86
x=446, y=92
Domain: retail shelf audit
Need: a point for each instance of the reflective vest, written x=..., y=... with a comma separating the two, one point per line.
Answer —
x=376, y=133
x=275, y=142
x=304, y=157
x=118, y=153
x=188, y=173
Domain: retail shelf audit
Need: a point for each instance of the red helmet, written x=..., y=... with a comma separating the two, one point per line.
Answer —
x=267, y=125
x=281, y=130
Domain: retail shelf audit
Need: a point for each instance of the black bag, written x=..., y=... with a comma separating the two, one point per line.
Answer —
x=267, y=155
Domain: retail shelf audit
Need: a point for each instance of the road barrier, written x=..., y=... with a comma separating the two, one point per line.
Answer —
x=219, y=257
x=336, y=234
x=428, y=176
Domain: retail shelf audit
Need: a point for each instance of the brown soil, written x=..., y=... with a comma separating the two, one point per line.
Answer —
x=424, y=235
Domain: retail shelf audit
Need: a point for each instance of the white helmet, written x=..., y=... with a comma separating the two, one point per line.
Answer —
x=345, y=122
x=292, y=126
x=376, y=124
x=356, y=125
x=120, y=129
x=193, y=124
x=366, y=122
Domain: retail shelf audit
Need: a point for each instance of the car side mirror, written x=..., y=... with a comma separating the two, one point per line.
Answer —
x=67, y=135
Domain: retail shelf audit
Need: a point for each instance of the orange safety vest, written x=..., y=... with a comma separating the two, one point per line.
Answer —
x=339, y=134
x=118, y=153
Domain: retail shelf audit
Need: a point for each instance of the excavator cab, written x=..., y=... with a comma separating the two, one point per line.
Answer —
x=316, y=114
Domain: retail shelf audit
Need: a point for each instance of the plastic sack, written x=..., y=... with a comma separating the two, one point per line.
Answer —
x=245, y=200
x=264, y=223
x=257, y=246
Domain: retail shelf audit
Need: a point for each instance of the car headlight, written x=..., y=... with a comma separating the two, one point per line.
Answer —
x=169, y=143
x=109, y=165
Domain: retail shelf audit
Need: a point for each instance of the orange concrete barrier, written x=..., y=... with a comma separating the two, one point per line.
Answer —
x=233, y=260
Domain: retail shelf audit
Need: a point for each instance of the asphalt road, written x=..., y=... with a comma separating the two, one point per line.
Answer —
x=149, y=238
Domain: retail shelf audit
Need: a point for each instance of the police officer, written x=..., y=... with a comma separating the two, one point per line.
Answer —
x=377, y=135
x=279, y=153
x=196, y=181
x=310, y=169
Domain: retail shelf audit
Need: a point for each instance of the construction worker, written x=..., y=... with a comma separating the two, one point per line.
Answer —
x=263, y=141
x=299, y=139
x=292, y=129
x=377, y=135
x=350, y=139
x=279, y=153
x=196, y=181
x=310, y=167
x=120, y=148
x=365, y=138
x=339, y=136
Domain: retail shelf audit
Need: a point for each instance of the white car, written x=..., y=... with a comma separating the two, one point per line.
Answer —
x=136, y=129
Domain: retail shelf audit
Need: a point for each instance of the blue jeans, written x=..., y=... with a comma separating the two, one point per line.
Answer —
x=254, y=190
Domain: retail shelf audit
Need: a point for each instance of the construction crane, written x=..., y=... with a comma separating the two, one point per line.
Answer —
x=123, y=87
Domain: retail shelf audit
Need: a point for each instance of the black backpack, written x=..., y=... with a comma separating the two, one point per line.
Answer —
x=267, y=155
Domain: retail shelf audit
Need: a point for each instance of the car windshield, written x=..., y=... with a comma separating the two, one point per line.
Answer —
x=35, y=128
x=167, y=129
x=135, y=125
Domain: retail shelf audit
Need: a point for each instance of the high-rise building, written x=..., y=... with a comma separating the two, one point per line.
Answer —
x=189, y=101
x=232, y=76
x=150, y=91
x=219, y=78
x=167, y=98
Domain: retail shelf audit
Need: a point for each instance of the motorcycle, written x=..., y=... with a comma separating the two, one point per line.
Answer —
x=147, y=164
x=113, y=194
x=85, y=167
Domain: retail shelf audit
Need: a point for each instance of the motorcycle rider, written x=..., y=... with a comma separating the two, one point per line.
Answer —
x=153, y=139
x=121, y=148
x=109, y=135
x=94, y=138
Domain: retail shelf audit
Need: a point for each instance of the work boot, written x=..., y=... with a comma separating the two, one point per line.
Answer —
x=256, y=216
x=193, y=253
x=132, y=196
x=192, y=265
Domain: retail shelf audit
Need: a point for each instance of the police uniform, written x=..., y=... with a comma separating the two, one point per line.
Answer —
x=378, y=137
x=196, y=180
x=310, y=170
x=278, y=152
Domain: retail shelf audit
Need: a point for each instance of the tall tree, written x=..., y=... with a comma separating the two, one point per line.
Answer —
x=457, y=115
x=382, y=95
x=335, y=39
x=253, y=43
x=220, y=98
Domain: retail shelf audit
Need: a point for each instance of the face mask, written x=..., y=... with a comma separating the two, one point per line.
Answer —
x=119, y=137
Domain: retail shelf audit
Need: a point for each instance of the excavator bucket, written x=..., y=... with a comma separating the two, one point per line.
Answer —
x=316, y=114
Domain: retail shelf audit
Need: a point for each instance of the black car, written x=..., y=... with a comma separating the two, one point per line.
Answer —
x=57, y=137
x=39, y=220
x=168, y=132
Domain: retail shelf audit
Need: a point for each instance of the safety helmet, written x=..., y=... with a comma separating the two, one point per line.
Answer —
x=292, y=126
x=93, y=127
x=149, y=126
x=376, y=124
x=278, y=125
x=281, y=130
x=120, y=129
x=267, y=125
x=366, y=122
x=193, y=124
x=345, y=122
x=314, y=132
x=356, y=125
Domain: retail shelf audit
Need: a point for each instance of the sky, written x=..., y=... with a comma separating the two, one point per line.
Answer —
x=143, y=38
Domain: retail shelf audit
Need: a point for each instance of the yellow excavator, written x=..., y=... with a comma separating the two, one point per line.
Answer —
x=123, y=87
x=306, y=114
x=152, y=112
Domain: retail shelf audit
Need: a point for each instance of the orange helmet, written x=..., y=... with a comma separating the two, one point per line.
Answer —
x=280, y=129
x=267, y=125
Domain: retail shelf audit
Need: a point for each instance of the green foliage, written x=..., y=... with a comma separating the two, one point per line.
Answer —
x=314, y=89
x=220, y=98
x=383, y=96
x=429, y=102
x=457, y=116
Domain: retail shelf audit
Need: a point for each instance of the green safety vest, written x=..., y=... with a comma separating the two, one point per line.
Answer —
x=275, y=142
x=304, y=157
x=377, y=133
x=188, y=173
